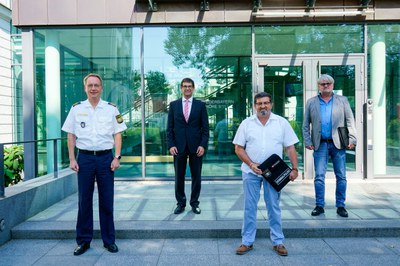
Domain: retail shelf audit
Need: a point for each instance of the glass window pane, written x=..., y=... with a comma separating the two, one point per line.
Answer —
x=110, y=52
x=40, y=107
x=384, y=69
x=309, y=39
x=285, y=84
x=344, y=77
x=16, y=69
x=221, y=72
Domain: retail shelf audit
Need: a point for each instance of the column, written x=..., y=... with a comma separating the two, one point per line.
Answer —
x=378, y=94
x=53, y=110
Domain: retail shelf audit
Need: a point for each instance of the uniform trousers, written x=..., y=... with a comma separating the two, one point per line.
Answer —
x=195, y=165
x=251, y=188
x=95, y=168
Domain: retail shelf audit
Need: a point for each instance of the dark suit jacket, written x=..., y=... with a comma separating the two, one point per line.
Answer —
x=194, y=133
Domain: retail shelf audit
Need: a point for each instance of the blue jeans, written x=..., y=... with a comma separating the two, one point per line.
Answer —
x=338, y=157
x=251, y=188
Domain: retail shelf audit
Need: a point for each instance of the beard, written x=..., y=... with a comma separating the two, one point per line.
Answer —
x=264, y=113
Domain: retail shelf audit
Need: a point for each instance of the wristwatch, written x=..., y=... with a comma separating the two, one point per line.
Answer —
x=117, y=157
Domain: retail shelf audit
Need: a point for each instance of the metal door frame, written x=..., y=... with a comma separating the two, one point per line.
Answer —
x=311, y=64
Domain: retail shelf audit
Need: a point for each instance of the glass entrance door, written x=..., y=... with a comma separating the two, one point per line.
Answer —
x=292, y=81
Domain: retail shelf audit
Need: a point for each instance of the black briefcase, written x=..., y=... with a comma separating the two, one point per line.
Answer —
x=275, y=171
x=344, y=136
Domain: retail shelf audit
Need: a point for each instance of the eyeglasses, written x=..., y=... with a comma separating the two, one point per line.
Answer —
x=93, y=85
x=187, y=86
x=325, y=84
x=263, y=103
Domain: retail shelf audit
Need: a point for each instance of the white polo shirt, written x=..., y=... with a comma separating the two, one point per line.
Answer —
x=261, y=141
x=94, y=127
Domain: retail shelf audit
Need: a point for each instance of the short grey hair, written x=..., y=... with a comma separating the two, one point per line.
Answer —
x=92, y=75
x=327, y=78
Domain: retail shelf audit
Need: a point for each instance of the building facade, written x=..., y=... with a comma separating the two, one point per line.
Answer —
x=232, y=50
x=6, y=92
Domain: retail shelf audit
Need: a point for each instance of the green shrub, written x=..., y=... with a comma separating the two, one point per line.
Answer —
x=393, y=133
x=298, y=130
x=13, y=164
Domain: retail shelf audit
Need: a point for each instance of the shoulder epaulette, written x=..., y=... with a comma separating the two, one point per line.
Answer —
x=75, y=104
x=112, y=104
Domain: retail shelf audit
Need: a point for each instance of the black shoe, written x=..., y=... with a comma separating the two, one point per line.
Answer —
x=342, y=212
x=317, y=211
x=179, y=209
x=196, y=210
x=111, y=248
x=80, y=249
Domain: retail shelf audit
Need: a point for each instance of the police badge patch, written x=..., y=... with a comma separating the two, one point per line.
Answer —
x=119, y=119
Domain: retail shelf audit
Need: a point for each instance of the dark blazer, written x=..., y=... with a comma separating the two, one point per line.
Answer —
x=194, y=133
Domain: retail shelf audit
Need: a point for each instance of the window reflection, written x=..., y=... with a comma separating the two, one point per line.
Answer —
x=305, y=39
x=219, y=60
x=221, y=71
x=285, y=84
x=222, y=75
x=345, y=80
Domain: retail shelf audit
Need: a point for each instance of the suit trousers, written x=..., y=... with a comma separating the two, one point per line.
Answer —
x=195, y=165
x=95, y=168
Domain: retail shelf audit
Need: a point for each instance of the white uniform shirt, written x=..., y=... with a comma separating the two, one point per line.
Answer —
x=261, y=141
x=94, y=127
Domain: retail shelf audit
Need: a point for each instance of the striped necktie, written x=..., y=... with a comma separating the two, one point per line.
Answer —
x=186, y=110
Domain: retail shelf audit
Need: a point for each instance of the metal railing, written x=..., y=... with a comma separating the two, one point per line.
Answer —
x=55, y=158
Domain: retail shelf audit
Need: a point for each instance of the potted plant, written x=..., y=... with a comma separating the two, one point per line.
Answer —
x=13, y=164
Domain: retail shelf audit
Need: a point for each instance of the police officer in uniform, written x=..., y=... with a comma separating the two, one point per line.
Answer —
x=94, y=127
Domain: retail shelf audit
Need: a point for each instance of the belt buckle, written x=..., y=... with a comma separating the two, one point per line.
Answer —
x=94, y=152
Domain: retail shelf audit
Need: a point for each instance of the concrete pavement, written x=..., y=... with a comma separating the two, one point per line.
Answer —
x=148, y=233
x=205, y=251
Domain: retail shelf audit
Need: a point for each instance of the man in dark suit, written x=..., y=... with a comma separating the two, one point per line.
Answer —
x=187, y=133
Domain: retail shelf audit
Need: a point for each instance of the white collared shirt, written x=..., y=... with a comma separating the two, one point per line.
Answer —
x=94, y=127
x=261, y=141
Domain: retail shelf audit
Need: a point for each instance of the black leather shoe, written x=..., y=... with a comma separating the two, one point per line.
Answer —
x=196, y=210
x=111, y=248
x=80, y=249
x=342, y=212
x=179, y=209
x=317, y=211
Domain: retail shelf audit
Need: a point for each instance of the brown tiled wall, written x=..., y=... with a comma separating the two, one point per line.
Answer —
x=112, y=12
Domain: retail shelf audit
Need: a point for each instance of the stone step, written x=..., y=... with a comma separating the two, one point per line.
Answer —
x=214, y=229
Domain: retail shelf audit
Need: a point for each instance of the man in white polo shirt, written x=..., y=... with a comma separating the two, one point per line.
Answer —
x=258, y=137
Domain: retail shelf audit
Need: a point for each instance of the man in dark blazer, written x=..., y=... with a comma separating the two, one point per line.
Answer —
x=188, y=134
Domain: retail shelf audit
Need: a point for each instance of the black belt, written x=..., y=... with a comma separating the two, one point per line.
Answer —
x=94, y=152
x=327, y=140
